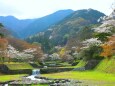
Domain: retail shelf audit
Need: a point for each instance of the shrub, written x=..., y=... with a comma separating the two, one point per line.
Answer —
x=93, y=52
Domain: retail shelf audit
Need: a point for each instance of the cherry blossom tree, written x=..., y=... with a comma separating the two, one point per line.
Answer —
x=15, y=54
x=91, y=42
x=54, y=56
x=91, y=49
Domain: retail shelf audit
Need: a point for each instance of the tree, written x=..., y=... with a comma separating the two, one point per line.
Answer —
x=3, y=48
x=91, y=42
x=104, y=31
x=1, y=25
x=22, y=45
x=91, y=49
x=107, y=50
x=102, y=36
x=15, y=54
x=54, y=57
x=93, y=52
x=1, y=35
x=109, y=47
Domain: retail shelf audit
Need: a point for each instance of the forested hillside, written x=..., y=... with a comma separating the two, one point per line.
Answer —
x=60, y=33
x=12, y=49
x=93, y=43
x=42, y=24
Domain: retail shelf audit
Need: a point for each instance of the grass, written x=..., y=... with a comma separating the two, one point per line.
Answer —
x=104, y=73
x=101, y=72
x=89, y=77
x=106, y=65
x=18, y=66
x=86, y=75
x=81, y=63
x=4, y=78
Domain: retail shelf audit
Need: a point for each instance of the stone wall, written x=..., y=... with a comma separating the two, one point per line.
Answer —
x=54, y=70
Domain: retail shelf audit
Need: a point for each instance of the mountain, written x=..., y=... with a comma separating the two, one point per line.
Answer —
x=26, y=27
x=14, y=24
x=4, y=31
x=41, y=24
x=7, y=42
x=72, y=24
x=59, y=33
x=105, y=32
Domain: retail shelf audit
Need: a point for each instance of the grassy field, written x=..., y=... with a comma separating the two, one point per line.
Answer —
x=102, y=75
x=14, y=66
x=4, y=78
x=87, y=77
x=18, y=66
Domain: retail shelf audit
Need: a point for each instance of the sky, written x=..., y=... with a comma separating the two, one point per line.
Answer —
x=24, y=9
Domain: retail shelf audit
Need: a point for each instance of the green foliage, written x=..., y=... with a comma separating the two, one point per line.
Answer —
x=113, y=29
x=68, y=29
x=85, y=33
x=93, y=52
x=65, y=37
x=43, y=40
x=1, y=25
x=36, y=43
x=1, y=35
x=102, y=36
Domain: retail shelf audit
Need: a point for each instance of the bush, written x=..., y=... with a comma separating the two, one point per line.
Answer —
x=74, y=63
x=93, y=52
x=102, y=36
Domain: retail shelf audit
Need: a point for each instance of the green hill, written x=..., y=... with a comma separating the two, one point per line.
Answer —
x=107, y=65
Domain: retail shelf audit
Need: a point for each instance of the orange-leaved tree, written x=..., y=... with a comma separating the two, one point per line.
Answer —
x=109, y=47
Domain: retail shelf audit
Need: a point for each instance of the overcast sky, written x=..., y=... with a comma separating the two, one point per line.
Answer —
x=37, y=8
